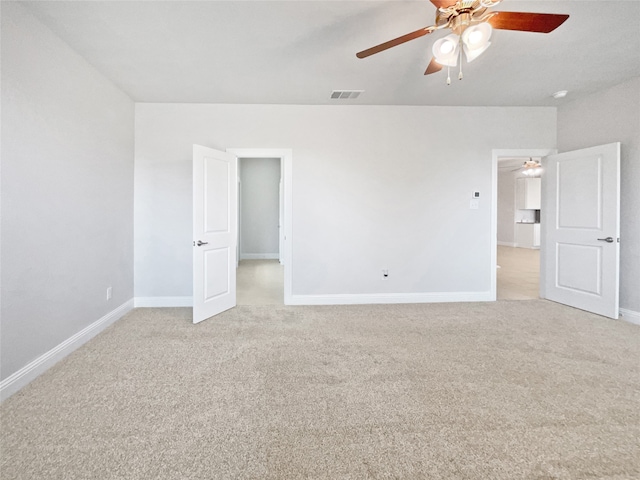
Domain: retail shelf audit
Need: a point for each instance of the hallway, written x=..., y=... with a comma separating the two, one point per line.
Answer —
x=518, y=277
x=260, y=282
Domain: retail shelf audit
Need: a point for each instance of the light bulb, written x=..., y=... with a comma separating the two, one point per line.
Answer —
x=445, y=50
x=475, y=37
x=446, y=47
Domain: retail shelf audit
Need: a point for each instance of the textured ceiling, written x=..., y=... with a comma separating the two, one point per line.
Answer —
x=297, y=52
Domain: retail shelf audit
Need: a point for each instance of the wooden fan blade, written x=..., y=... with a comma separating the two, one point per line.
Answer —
x=433, y=67
x=392, y=43
x=527, y=22
x=443, y=3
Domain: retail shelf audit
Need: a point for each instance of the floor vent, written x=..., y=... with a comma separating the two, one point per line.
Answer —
x=344, y=94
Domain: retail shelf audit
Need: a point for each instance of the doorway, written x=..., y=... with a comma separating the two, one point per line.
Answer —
x=518, y=235
x=260, y=274
x=264, y=228
x=516, y=226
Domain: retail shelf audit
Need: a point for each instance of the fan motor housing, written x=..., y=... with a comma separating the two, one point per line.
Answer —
x=459, y=16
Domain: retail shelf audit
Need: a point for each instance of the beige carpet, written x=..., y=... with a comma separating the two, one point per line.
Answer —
x=506, y=390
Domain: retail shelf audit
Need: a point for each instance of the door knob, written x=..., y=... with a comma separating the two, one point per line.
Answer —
x=608, y=240
x=200, y=243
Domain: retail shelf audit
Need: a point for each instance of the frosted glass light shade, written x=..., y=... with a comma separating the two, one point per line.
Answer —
x=477, y=36
x=446, y=50
x=476, y=40
x=475, y=53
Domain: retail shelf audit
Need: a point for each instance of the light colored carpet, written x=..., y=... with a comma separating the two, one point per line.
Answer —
x=504, y=390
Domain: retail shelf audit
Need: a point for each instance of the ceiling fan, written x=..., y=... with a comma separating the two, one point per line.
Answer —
x=530, y=167
x=471, y=24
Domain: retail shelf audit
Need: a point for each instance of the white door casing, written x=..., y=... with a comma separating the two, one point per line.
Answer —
x=215, y=224
x=581, y=229
x=281, y=218
x=496, y=155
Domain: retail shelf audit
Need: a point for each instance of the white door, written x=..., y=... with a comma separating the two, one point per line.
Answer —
x=581, y=229
x=215, y=225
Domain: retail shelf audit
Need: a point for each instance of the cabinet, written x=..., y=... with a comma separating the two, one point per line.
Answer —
x=528, y=235
x=528, y=193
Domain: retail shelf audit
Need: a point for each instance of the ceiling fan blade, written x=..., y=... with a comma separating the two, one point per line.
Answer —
x=395, y=42
x=527, y=22
x=433, y=67
x=443, y=3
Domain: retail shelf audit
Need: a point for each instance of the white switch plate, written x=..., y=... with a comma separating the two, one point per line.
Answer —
x=474, y=204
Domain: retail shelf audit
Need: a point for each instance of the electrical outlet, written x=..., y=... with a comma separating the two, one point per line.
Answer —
x=109, y=293
x=385, y=274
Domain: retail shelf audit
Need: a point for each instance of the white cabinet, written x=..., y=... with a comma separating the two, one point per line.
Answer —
x=528, y=235
x=528, y=193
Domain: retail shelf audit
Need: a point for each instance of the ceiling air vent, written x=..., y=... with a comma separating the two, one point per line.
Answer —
x=344, y=94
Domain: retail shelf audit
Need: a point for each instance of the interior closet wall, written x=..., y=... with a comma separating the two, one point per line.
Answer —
x=259, y=208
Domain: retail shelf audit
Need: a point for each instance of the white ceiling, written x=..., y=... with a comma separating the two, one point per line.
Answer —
x=297, y=52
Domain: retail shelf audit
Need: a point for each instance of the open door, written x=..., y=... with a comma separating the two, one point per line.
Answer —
x=215, y=225
x=581, y=229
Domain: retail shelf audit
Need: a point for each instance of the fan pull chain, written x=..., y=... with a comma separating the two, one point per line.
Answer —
x=448, y=75
x=460, y=74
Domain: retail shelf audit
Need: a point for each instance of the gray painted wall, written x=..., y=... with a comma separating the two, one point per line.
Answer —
x=506, y=207
x=374, y=187
x=260, y=207
x=605, y=117
x=508, y=214
x=67, y=192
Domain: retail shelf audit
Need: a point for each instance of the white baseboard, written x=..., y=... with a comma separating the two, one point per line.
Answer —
x=630, y=316
x=29, y=372
x=507, y=244
x=144, y=302
x=259, y=256
x=382, y=298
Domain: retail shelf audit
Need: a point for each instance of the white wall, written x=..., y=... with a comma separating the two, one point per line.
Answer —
x=508, y=214
x=67, y=192
x=260, y=207
x=506, y=208
x=374, y=187
x=605, y=117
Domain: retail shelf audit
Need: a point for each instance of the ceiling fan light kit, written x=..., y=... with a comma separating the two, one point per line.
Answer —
x=532, y=168
x=471, y=25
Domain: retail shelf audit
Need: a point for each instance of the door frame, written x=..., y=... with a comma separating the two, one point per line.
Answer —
x=286, y=163
x=495, y=155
